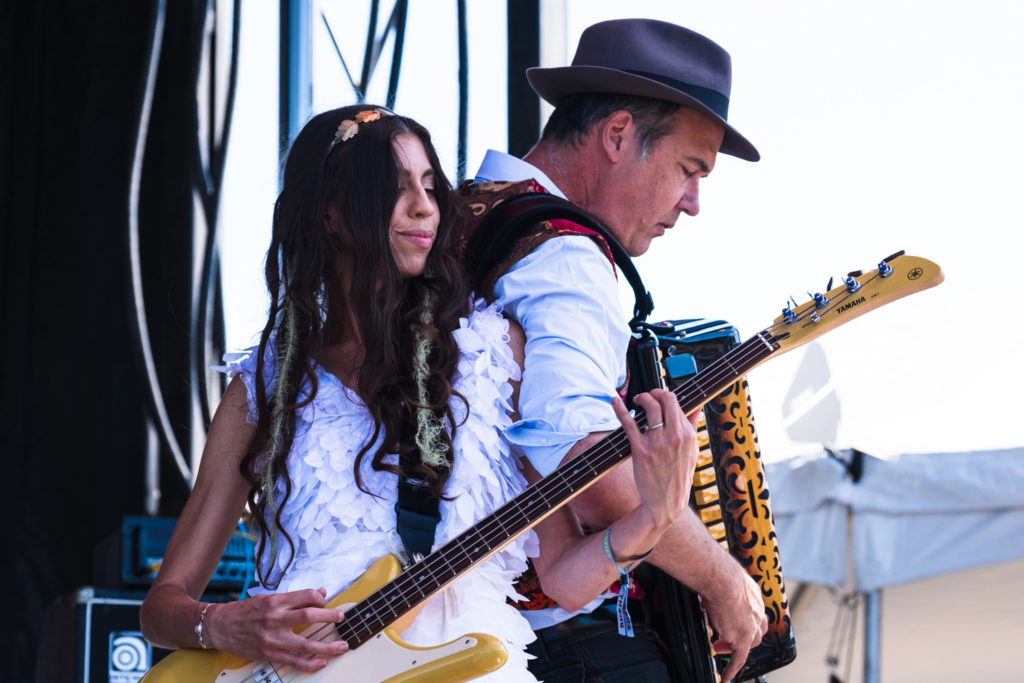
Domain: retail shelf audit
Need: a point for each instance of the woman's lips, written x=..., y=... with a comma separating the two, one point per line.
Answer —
x=421, y=238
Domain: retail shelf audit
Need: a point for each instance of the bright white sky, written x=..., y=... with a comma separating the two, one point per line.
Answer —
x=882, y=124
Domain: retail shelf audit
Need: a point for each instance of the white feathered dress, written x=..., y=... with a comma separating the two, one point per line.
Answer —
x=339, y=530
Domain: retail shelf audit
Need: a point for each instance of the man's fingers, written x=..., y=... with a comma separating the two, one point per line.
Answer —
x=653, y=408
x=736, y=662
x=620, y=412
x=730, y=671
x=628, y=424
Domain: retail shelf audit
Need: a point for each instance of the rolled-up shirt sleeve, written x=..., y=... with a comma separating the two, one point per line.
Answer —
x=565, y=296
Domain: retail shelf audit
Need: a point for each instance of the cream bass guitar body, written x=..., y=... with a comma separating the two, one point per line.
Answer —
x=381, y=656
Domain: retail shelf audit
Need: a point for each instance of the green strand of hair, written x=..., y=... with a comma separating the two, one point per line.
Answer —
x=430, y=435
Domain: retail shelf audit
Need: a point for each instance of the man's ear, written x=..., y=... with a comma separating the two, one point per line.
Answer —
x=617, y=134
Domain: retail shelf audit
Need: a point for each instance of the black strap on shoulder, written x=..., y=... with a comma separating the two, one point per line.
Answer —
x=511, y=220
x=417, y=512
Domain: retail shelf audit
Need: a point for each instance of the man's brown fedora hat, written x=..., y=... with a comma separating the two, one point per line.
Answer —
x=649, y=58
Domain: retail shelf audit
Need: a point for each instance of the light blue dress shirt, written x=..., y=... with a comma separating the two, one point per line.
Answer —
x=565, y=296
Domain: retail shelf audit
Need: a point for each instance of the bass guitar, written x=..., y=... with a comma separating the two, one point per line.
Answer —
x=384, y=600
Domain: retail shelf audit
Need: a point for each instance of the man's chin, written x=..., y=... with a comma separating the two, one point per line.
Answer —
x=635, y=250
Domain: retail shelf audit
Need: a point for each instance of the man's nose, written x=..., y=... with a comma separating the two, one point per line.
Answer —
x=689, y=202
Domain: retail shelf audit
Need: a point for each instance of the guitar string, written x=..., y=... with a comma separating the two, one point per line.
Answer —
x=763, y=345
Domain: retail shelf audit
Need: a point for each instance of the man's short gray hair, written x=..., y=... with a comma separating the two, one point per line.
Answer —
x=576, y=115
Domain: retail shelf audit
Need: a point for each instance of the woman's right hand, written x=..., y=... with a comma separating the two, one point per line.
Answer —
x=261, y=628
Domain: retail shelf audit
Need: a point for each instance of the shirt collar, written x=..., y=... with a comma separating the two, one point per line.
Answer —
x=498, y=166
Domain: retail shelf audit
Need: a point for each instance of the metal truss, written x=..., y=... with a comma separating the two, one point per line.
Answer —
x=386, y=22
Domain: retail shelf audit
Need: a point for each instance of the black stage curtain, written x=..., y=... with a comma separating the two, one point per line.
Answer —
x=72, y=78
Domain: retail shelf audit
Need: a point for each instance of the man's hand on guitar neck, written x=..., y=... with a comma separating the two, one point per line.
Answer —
x=664, y=455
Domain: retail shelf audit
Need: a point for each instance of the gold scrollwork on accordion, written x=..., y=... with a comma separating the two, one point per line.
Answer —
x=746, y=525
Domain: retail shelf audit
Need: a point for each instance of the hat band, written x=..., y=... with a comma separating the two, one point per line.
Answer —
x=712, y=99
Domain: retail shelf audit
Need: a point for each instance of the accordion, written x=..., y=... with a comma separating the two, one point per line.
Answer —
x=729, y=494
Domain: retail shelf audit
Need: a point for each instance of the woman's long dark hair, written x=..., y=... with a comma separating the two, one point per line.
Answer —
x=356, y=182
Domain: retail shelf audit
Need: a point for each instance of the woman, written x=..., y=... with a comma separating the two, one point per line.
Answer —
x=375, y=362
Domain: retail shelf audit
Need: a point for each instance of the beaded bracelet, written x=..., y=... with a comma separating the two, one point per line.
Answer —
x=625, y=623
x=199, y=627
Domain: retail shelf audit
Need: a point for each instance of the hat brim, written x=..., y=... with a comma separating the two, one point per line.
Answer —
x=553, y=84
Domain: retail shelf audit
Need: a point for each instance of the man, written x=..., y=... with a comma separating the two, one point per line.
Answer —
x=639, y=119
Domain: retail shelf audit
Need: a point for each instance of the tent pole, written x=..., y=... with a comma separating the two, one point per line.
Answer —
x=872, y=635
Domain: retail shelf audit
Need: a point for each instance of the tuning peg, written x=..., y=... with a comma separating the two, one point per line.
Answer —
x=820, y=300
x=884, y=269
x=787, y=313
x=851, y=282
x=828, y=287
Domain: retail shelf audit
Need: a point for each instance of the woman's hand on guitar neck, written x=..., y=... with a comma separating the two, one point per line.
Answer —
x=261, y=628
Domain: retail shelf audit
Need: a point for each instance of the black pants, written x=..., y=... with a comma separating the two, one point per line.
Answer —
x=589, y=649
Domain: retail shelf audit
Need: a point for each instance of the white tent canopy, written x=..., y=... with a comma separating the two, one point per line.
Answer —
x=910, y=517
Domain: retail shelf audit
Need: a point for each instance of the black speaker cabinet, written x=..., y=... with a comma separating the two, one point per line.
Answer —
x=93, y=636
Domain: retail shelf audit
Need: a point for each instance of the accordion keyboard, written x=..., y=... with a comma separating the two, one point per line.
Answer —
x=706, y=496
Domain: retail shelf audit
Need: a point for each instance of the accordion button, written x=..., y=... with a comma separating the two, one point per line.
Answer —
x=706, y=496
x=710, y=515
x=717, y=531
x=703, y=477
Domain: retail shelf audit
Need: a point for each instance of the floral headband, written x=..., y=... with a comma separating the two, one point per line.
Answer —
x=348, y=128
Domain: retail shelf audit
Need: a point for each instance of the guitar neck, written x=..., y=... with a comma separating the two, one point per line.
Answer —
x=896, y=277
x=427, y=577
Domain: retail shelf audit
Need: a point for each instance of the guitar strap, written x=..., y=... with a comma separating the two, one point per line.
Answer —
x=518, y=218
x=417, y=510
x=417, y=514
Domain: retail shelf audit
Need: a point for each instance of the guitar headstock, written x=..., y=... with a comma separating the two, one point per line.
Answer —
x=896, y=277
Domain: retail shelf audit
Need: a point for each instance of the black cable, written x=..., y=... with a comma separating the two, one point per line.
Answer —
x=372, y=51
x=359, y=89
x=460, y=152
x=398, y=18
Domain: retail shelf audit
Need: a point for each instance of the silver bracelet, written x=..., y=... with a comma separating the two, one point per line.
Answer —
x=199, y=627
